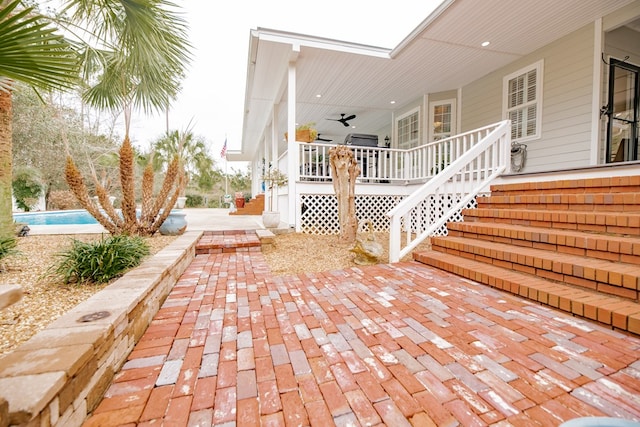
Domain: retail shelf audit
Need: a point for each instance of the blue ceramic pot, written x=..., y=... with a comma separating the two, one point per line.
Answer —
x=175, y=224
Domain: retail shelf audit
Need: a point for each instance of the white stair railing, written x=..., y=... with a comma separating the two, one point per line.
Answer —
x=466, y=170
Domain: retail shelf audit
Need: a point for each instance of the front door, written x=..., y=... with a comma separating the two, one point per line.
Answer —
x=623, y=113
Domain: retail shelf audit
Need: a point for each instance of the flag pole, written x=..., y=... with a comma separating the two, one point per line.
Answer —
x=223, y=154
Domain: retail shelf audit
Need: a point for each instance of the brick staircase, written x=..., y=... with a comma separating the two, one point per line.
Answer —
x=573, y=245
x=255, y=206
x=231, y=241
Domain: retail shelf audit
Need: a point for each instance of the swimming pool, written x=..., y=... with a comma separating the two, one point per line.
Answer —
x=74, y=217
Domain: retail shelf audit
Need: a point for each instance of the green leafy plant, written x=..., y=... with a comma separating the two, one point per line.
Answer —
x=311, y=127
x=27, y=187
x=194, y=201
x=7, y=246
x=100, y=261
x=273, y=179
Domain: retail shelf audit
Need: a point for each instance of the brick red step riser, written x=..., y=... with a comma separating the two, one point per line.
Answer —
x=603, y=249
x=612, y=311
x=228, y=241
x=255, y=206
x=606, y=281
x=579, y=191
x=576, y=186
x=596, y=224
x=564, y=207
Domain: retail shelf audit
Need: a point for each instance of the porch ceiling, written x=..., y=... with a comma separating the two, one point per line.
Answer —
x=443, y=53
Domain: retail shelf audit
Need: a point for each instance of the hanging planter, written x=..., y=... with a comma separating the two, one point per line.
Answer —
x=305, y=133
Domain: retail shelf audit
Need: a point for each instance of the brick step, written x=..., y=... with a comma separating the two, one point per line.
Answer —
x=598, y=222
x=599, y=202
x=575, y=186
x=226, y=241
x=254, y=206
x=613, y=278
x=599, y=246
x=616, y=312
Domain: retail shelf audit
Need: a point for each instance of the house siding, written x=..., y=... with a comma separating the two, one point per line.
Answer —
x=566, y=102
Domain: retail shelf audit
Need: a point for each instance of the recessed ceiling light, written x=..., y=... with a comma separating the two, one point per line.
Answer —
x=485, y=44
x=319, y=96
x=392, y=102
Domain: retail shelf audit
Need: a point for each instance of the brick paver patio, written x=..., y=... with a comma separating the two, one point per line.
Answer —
x=394, y=345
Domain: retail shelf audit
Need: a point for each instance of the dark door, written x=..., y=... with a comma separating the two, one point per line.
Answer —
x=622, y=125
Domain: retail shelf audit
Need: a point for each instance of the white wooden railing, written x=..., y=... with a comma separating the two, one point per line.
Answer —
x=460, y=167
x=379, y=164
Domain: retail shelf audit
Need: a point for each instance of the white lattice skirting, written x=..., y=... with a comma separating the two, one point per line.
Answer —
x=320, y=212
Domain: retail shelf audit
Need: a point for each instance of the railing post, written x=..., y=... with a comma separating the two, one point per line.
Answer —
x=394, y=239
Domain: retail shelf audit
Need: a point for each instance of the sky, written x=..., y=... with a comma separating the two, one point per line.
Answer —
x=212, y=98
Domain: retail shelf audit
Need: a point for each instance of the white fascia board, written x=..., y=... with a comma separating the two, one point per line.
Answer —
x=302, y=40
x=421, y=28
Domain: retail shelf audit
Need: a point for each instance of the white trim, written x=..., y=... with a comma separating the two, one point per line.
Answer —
x=292, y=161
x=596, y=98
x=297, y=41
x=425, y=119
x=405, y=115
x=459, y=112
x=454, y=117
x=539, y=67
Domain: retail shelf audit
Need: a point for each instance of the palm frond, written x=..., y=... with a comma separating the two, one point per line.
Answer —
x=32, y=52
x=150, y=51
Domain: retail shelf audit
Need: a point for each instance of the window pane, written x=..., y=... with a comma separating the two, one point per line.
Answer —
x=531, y=85
x=531, y=120
x=407, y=130
x=521, y=101
x=516, y=123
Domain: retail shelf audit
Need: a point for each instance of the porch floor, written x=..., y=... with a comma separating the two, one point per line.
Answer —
x=398, y=344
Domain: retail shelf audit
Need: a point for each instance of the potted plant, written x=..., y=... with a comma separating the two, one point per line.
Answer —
x=273, y=178
x=305, y=133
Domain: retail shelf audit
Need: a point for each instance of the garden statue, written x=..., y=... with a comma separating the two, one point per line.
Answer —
x=368, y=251
x=345, y=170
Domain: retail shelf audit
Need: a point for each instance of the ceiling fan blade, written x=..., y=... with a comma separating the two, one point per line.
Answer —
x=345, y=123
x=351, y=117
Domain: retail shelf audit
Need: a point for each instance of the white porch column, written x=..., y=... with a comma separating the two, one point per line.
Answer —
x=273, y=149
x=292, y=152
x=596, y=102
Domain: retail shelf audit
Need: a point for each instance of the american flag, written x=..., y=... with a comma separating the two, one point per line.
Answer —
x=223, y=152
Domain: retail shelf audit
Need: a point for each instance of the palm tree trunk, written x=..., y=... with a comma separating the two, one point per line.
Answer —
x=6, y=114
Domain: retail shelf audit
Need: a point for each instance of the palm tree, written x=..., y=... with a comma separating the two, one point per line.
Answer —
x=135, y=58
x=31, y=52
x=192, y=150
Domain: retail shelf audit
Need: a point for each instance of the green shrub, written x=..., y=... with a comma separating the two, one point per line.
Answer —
x=8, y=246
x=26, y=187
x=194, y=201
x=100, y=261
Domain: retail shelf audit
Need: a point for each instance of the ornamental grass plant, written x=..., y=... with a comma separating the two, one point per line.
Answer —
x=99, y=261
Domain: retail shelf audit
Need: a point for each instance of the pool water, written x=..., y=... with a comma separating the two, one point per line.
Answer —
x=74, y=217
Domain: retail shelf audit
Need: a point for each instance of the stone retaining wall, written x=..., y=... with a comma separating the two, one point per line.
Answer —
x=58, y=376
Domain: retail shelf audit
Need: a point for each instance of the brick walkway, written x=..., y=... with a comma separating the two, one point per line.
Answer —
x=394, y=345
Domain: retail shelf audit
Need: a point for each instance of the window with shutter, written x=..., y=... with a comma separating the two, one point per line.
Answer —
x=523, y=101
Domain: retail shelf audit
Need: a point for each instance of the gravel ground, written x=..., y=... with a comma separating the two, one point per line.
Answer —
x=44, y=301
x=295, y=253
